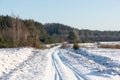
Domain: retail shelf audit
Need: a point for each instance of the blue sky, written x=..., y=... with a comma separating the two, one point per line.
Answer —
x=82, y=14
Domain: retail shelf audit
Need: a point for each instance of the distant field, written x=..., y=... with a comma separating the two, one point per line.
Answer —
x=110, y=45
x=115, y=45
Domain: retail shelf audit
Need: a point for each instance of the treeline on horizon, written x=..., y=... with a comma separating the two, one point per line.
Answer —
x=16, y=32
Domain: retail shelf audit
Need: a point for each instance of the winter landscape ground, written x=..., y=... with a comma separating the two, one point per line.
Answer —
x=90, y=63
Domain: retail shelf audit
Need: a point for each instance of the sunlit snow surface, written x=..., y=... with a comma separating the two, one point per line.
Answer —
x=60, y=64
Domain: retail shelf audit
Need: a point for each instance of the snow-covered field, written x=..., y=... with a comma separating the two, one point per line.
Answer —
x=60, y=64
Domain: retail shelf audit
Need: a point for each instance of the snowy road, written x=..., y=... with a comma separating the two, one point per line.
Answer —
x=56, y=64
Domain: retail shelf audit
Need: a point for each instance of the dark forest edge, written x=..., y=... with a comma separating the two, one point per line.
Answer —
x=16, y=32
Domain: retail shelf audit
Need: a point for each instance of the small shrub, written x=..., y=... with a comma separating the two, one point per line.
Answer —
x=76, y=46
x=65, y=45
x=43, y=47
x=53, y=45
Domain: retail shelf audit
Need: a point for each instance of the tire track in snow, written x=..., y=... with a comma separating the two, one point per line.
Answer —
x=77, y=73
x=62, y=72
x=57, y=74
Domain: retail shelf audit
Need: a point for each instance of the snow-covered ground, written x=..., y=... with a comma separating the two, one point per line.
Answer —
x=60, y=64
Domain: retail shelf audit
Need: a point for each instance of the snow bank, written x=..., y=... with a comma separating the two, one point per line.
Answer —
x=11, y=58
